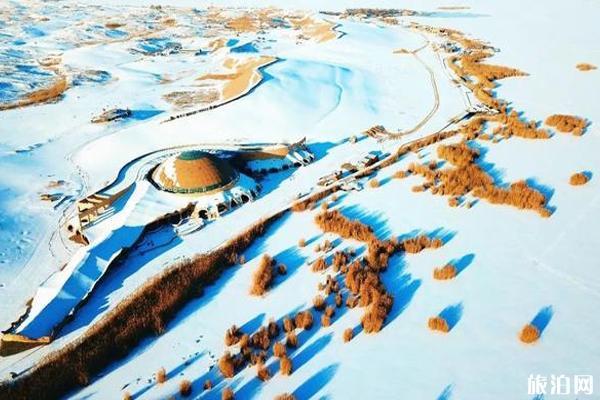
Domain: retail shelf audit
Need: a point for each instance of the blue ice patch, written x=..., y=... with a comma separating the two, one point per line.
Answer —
x=33, y=31
x=115, y=33
x=232, y=42
x=245, y=48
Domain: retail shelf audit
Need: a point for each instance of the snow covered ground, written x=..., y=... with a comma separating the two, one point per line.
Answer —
x=516, y=264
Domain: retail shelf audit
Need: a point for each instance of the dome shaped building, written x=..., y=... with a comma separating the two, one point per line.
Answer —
x=215, y=185
x=194, y=171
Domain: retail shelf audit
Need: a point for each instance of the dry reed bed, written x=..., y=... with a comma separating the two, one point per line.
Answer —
x=467, y=177
x=567, y=123
x=144, y=313
x=263, y=277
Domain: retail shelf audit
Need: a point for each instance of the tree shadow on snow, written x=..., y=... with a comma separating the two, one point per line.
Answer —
x=452, y=314
x=542, y=318
x=316, y=382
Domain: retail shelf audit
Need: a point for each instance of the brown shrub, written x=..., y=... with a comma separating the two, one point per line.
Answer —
x=339, y=300
x=304, y=320
x=438, y=324
x=263, y=277
x=258, y=357
x=227, y=394
x=279, y=350
x=325, y=320
x=285, y=366
x=301, y=242
x=161, y=375
x=309, y=202
x=585, y=67
x=351, y=301
x=244, y=341
x=127, y=396
x=319, y=302
x=232, y=336
x=281, y=269
x=448, y=271
x=374, y=183
x=329, y=311
x=333, y=221
x=185, y=388
x=420, y=243
x=319, y=265
x=578, y=178
x=529, y=334
x=372, y=321
x=272, y=329
x=207, y=385
x=459, y=155
x=567, y=123
x=260, y=339
x=400, y=174
x=263, y=373
x=288, y=325
x=453, y=202
x=324, y=206
x=226, y=365
x=291, y=340
x=518, y=194
x=285, y=396
x=348, y=335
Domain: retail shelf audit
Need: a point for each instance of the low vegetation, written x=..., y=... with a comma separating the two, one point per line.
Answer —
x=438, y=324
x=185, y=388
x=263, y=277
x=567, y=123
x=529, y=334
x=447, y=272
x=227, y=394
x=348, y=334
x=579, y=178
x=585, y=67
x=285, y=366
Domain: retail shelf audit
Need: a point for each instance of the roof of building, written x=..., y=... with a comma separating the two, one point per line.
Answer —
x=194, y=171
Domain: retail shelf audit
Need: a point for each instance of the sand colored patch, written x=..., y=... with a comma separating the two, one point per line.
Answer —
x=49, y=93
x=245, y=74
x=318, y=30
x=586, y=67
x=243, y=24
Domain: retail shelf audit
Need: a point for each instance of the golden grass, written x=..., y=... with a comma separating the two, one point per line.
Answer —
x=438, y=324
x=585, y=67
x=227, y=394
x=578, y=179
x=161, y=375
x=567, y=123
x=348, y=334
x=285, y=366
x=447, y=272
x=263, y=276
x=185, y=388
x=529, y=334
x=226, y=365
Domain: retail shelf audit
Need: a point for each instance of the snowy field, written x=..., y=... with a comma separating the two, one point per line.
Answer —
x=515, y=266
